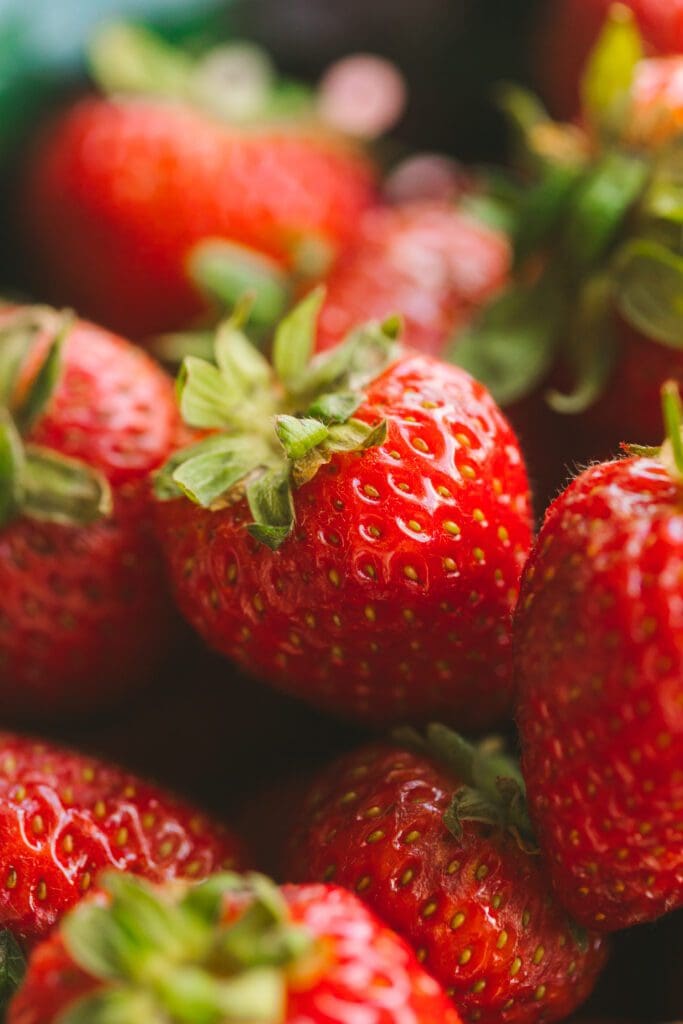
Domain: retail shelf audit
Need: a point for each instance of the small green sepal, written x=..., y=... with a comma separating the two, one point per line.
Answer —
x=45, y=381
x=610, y=69
x=12, y=967
x=58, y=489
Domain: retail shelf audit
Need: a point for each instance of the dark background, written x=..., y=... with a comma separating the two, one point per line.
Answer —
x=201, y=729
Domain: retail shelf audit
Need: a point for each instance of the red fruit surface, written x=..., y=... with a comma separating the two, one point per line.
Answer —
x=392, y=599
x=425, y=260
x=569, y=29
x=127, y=188
x=599, y=659
x=367, y=973
x=64, y=817
x=85, y=614
x=478, y=909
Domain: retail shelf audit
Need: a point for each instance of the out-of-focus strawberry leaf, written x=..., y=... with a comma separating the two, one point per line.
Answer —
x=42, y=46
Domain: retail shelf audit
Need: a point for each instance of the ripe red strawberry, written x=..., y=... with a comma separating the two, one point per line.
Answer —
x=229, y=949
x=85, y=614
x=131, y=186
x=422, y=836
x=599, y=655
x=599, y=328
x=64, y=817
x=378, y=578
x=427, y=260
x=569, y=29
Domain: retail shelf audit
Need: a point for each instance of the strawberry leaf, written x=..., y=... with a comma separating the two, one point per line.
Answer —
x=12, y=967
x=649, y=290
x=239, y=360
x=11, y=469
x=45, y=380
x=608, y=76
x=511, y=346
x=294, y=341
x=335, y=407
x=115, y=1006
x=207, y=397
x=226, y=271
x=298, y=436
x=270, y=503
x=208, y=476
x=57, y=489
x=127, y=59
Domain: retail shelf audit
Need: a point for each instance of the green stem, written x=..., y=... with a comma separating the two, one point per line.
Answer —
x=672, y=411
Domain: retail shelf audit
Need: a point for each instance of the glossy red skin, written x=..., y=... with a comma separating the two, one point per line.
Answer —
x=85, y=612
x=368, y=972
x=64, y=817
x=569, y=29
x=374, y=823
x=599, y=660
x=127, y=188
x=335, y=616
x=425, y=260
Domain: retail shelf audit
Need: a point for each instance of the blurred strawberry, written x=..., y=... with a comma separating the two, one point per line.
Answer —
x=185, y=152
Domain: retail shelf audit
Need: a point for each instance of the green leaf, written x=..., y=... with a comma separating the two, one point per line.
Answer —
x=115, y=1006
x=543, y=206
x=171, y=349
x=335, y=407
x=649, y=290
x=206, y=397
x=271, y=505
x=15, y=344
x=609, y=72
x=12, y=967
x=355, y=436
x=240, y=361
x=45, y=381
x=208, y=476
x=592, y=350
x=599, y=207
x=298, y=436
x=512, y=345
x=663, y=199
x=356, y=361
x=235, y=82
x=470, y=805
x=295, y=340
x=226, y=271
x=89, y=936
x=57, y=489
x=11, y=469
x=127, y=58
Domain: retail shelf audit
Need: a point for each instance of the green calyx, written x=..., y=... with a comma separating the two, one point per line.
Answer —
x=176, y=955
x=492, y=789
x=274, y=426
x=670, y=453
x=235, y=82
x=596, y=227
x=37, y=482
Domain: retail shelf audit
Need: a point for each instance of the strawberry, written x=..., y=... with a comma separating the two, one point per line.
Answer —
x=363, y=555
x=592, y=323
x=569, y=29
x=433, y=263
x=599, y=655
x=434, y=838
x=229, y=949
x=65, y=817
x=132, y=186
x=85, y=614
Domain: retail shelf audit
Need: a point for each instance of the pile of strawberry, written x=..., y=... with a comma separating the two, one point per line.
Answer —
x=332, y=501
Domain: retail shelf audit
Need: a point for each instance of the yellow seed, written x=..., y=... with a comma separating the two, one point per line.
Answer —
x=464, y=440
x=334, y=577
x=515, y=966
x=468, y=472
x=370, y=613
x=86, y=879
x=41, y=891
x=421, y=954
x=148, y=821
x=100, y=809
x=370, y=571
x=539, y=953
x=376, y=836
x=449, y=565
x=363, y=883
x=11, y=880
x=372, y=812
x=478, y=515
x=430, y=909
x=457, y=920
x=452, y=528
x=496, y=901
x=502, y=940
x=526, y=917
x=166, y=848
x=374, y=532
x=420, y=444
x=540, y=993
x=465, y=956
x=37, y=825
x=412, y=836
x=408, y=615
x=414, y=526
x=257, y=602
x=479, y=555
x=122, y=836
x=329, y=873
x=371, y=491
x=443, y=491
x=348, y=798
x=193, y=868
x=481, y=872
x=453, y=867
x=68, y=843
x=410, y=573
x=88, y=774
x=427, y=404
x=407, y=877
x=503, y=534
x=479, y=986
